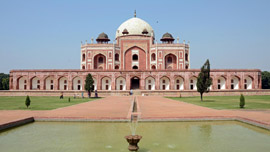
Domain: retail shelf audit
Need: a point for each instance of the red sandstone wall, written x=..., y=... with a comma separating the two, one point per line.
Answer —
x=15, y=75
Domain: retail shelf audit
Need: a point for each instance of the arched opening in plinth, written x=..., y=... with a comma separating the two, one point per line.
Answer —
x=221, y=83
x=120, y=83
x=62, y=83
x=22, y=83
x=164, y=83
x=248, y=82
x=193, y=83
x=150, y=83
x=95, y=84
x=49, y=83
x=179, y=83
x=235, y=83
x=35, y=83
x=106, y=83
x=135, y=83
x=77, y=83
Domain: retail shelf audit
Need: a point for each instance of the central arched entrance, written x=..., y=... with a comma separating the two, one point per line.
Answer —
x=135, y=83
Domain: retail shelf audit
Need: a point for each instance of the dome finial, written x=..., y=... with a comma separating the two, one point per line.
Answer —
x=135, y=13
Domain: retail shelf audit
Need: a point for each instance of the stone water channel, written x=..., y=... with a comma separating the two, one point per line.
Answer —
x=133, y=139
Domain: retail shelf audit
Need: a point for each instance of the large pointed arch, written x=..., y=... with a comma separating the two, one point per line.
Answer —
x=99, y=62
x=135, y=56
x=170, y=61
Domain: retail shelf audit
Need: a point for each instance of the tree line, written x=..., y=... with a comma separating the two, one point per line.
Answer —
x=265, y=80
x=4, y=81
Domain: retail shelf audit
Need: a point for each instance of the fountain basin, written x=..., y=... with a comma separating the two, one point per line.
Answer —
x=202, y=136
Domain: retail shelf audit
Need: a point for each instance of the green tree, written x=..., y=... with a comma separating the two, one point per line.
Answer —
x=89, y=87
x=266, y=80
x=27, y=101
x=242, y=101
x=204, y=80
x=4, y=81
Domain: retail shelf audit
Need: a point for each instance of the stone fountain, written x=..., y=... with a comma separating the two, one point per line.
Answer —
x=133, y=141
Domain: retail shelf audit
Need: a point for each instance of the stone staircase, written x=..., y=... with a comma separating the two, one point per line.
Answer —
x=137, y=92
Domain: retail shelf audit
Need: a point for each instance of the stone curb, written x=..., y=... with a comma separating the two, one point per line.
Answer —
x=79, y=120
x=16, y=123
x=243, y=120
x=187, y=119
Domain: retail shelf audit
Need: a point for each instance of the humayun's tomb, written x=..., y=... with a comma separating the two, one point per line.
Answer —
x=134, y=61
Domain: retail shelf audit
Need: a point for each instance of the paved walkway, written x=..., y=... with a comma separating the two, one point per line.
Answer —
x=151, y=107
x=106, y=108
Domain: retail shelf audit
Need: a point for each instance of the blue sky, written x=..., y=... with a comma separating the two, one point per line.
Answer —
x=232, y=34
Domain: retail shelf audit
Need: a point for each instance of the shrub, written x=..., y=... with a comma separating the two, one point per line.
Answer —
x=69, y=99
x=242, y=101
x=27, y=101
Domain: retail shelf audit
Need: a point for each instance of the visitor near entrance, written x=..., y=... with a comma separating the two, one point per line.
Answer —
x=96, y=94
x=62, y=95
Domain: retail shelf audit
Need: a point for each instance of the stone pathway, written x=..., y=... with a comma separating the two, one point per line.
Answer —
x=149, y=108
x=110, y=108
x=106, y=108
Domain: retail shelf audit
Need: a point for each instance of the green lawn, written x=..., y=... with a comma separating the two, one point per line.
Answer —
x=228, y=102
x=39, y=103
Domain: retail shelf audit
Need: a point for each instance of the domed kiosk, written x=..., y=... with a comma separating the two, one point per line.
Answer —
x=167, y=38
x=102, y=38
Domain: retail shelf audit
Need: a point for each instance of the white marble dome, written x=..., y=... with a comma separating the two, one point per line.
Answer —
x=134, y=26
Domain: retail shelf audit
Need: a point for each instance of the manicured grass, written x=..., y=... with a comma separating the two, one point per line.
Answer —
x=228, y=102
x=39, y=103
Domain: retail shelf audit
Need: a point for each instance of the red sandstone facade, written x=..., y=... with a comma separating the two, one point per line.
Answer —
x=133, y=61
